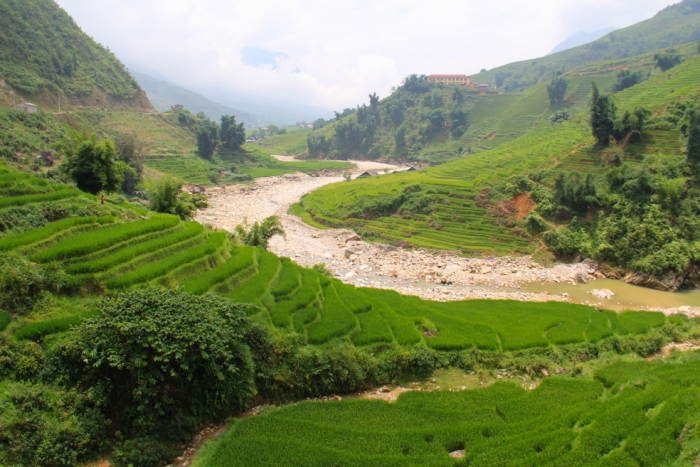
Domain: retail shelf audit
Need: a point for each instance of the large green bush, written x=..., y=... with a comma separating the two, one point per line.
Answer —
x=169, y=354
x=43, y=425
x=22, y=282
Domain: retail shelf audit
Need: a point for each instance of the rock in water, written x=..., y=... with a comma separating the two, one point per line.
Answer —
x=579, y=273
x=603, y=293
x=669, y=283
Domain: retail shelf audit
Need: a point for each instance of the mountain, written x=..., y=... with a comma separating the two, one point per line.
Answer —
x=675, y=24
x=45, y=55
x=271, y=110
x=163, y=95
x=581, y=38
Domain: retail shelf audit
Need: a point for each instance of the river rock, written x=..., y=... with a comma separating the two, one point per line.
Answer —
x=669, y=283
x=350, y=274
x=579, y=273
x=354, y=238
x=590, y=264
x=486, y=269
x=603, y=293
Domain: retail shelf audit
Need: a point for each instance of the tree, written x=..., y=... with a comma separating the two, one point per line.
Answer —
x=207, y=139
x=602, y=116
x=667, y=60
x=458, y=121
x=630, y=127
x=501, y=77
x=93, y=166
x=319, y=123
x=483, y=70
x=416, y=84
x=232, y=136
x=400, y=137
x=166, y=355
x=458, y=95
x=165, y=196
x=557, y=89
x=131, y=152
x=260, y=234
x=627, y=79
x=693, y=138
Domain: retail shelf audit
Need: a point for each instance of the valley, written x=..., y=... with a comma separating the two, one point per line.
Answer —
x=503, y=274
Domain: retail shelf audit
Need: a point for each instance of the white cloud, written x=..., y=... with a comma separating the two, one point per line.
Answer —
x=338, y=52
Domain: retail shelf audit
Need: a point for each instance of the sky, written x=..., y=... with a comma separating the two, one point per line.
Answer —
x=333, y=54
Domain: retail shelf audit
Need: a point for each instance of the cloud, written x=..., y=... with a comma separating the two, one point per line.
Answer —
x=333, y=54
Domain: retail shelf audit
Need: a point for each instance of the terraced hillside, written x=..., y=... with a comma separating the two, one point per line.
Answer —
x=127, y=251
x=454, y=222
x=631, y=414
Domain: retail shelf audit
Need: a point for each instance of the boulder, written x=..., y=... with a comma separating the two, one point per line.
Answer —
x=450, y=269
x=350, y=274
x=603, y=293
x=545, y=373
x=458, y=454
x=394, y=274
x=692, y=279
x=485, y=270
x=352, y=251
x=590, y=264
x=354, y=238
x=671, y=282
x=579, y=273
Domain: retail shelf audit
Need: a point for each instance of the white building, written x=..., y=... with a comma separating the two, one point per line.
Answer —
x=26, y=107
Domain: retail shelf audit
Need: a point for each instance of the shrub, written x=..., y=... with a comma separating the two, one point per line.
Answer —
x=169, y=354
x=22, y=282
x=42, y=425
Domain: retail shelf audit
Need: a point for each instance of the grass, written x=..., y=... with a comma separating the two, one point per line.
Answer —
x=241, y=258
x=39, y=328
x=40, y=198
x=609, y=420
x=90, y=242
x=26, y=238
x=161, y=267
x=126, y=254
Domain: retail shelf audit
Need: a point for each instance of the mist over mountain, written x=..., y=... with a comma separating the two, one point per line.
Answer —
x=163, y=95
x=581, y=38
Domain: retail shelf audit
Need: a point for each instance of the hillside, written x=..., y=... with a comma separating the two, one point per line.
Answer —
x=435, y=129
x=675, y=24
x=581, y=38
x=466, y=204
x=163, y=95
x=306, y=335
x=44, y=55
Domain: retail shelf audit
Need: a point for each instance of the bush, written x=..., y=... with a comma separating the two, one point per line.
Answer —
x=165, y=196
x=22, y=282
x=169, y=354
x=42, y=425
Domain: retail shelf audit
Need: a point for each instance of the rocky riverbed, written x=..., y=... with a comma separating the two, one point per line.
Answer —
x=428, y=274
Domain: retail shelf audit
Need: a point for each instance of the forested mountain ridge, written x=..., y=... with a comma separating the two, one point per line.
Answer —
x=675, y=24
x=44, y=55
x=436, y=123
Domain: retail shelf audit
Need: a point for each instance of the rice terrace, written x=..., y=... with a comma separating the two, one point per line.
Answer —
x=209, y=267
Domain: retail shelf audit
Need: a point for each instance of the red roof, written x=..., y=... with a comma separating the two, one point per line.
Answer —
x=447, y=76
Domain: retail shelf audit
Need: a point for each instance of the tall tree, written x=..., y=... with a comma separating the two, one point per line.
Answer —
x=693, y=138
x=602, y=116
x=93, y=166
x=232, y=135
x=556, y=89
x=207, y=139
x=458, y=95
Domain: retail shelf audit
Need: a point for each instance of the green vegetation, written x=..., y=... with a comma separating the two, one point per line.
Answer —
x=632, y=413
x=464, y=204
x=43, y=52
x=259, y=235
x=94, y=167
x=165, y=196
